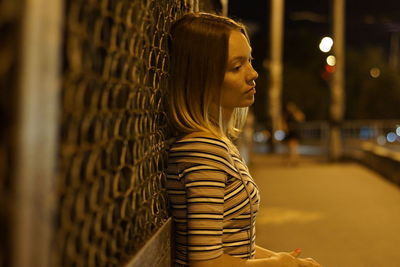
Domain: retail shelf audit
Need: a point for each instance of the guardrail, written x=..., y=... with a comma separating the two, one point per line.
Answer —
x=376, y=143
x=383, y=133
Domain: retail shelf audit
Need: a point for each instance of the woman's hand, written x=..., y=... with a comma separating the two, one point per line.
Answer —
x=307, y=262
x=290, y=259
x=277, y=259
x=287, y=259
x=262, y=253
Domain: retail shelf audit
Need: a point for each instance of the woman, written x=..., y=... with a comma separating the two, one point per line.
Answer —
x=213, y=198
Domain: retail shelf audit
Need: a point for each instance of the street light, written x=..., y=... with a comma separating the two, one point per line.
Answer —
x=375, y=72
x=326, y=44
x=331, y=60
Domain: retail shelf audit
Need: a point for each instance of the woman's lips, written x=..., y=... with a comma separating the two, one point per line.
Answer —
x=251, y=91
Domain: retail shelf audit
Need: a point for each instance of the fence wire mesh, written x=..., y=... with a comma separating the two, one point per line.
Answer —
x=113, y=129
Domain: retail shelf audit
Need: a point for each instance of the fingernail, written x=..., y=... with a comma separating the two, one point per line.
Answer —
x=297, y=250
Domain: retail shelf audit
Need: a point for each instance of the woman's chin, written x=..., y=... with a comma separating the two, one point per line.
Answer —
x=249, y=102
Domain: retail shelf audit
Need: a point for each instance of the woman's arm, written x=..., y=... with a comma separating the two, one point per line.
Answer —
x=262, y=253
x=226, y=260
x=280, y=259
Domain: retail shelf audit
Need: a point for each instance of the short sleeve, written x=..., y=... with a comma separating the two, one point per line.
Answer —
x=205, y=187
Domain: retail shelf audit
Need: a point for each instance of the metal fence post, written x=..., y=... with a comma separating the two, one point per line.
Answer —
x=38, y=110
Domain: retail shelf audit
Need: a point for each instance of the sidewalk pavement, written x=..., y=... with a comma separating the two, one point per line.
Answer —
x=341, y=214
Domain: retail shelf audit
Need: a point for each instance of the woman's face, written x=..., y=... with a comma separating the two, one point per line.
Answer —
x=238, y=87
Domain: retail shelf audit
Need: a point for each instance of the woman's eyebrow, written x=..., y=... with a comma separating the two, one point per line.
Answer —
x=238, y=58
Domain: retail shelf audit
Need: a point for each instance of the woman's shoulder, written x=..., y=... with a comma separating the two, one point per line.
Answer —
x=198, y=134
x=202, y=141
x=204, y=149
x=200, y=145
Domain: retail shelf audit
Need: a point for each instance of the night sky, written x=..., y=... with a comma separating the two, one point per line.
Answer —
x=368, y=24
x=367, y=21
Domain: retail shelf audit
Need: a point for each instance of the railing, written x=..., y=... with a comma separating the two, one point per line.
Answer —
x=376, y=143
x=383, y=133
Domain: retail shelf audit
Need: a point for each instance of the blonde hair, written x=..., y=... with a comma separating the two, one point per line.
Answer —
x=198, y=47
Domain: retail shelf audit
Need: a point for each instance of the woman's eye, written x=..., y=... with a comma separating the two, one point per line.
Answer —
x=236, y=68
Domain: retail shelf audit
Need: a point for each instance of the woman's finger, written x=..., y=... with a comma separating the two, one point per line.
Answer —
x=296, y=252
x=309, y=262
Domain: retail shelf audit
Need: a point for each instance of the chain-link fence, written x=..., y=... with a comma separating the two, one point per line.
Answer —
x=113, y=137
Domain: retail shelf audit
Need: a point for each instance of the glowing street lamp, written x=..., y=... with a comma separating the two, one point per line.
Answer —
x=375, y=72
x=326, y=44
x=331, y=60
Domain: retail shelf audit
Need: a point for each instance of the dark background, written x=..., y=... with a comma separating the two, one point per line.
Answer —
x=369, y=26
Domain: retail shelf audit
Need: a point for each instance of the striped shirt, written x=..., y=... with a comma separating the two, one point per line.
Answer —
x=209, y=201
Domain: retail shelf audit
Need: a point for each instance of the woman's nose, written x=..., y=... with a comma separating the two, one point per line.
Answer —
x=253, y=75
